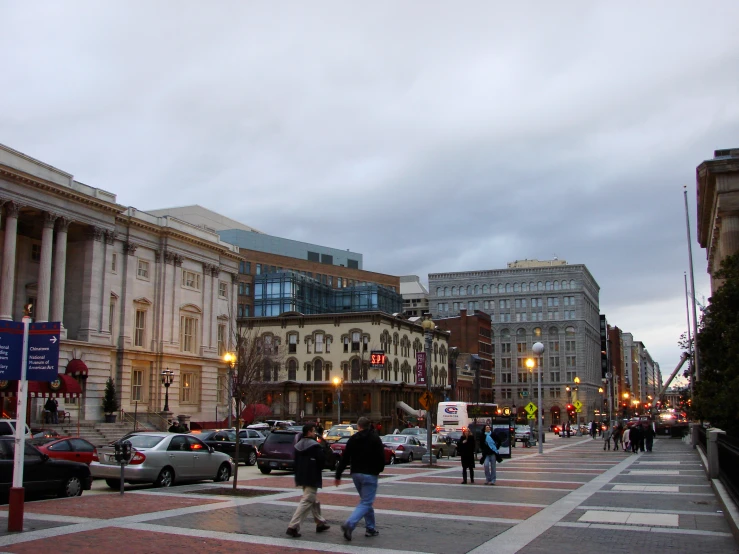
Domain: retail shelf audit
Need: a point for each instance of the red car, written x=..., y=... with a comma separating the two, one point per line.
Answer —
x=73, y=449
x=339, y=446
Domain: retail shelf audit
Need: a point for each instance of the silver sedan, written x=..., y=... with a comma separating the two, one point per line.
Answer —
x=406, y=447
x=253, y=437
x=163, y=459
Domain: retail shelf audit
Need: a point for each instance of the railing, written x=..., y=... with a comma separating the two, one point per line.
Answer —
x=151, y=420
x=728, y=464
x=702, y=439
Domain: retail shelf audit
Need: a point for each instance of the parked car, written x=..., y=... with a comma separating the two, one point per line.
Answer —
x=523, y=435
x=278, y=452
x=339, y=446
x=73, y=449
x=7, y=427
x=224, y=440
x=557, y=429
x=338, y=431
x=407, y=448
x=41, y=474
x=443, y=448
x=252, y=436
x=163, y=459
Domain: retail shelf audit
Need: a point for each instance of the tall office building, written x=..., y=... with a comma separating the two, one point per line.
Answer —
x=531, y=301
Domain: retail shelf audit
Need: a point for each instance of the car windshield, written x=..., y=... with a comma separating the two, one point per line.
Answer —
x=394, y=438
x=145, y=441
x=281, y=438
x=411, y=431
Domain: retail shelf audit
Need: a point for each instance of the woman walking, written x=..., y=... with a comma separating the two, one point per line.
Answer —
x=489, y=452
x=466, y=450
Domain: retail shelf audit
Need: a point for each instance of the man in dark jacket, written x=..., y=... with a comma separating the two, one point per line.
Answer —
x=649, y=435
x=466, y=451
x=365, y=455
x=309, y=460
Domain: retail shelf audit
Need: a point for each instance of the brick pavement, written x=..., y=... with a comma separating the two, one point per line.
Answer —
x=575, y=498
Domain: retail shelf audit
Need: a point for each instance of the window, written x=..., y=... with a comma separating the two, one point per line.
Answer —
x=569, y=314
x=137, y=385
x=221, y=339
x=188, y=334
x=355, y=342
x=223, y=289
x=191, y=280
x=503, y=304
x=139, y=328
x=552, y=302
x=328, y=345
x=569, y=300
x=111, y=314
x=245, y=267
x=319, y=345
x=292, y=370
x=259, y=269
x=338, y=282
x=187, y=388
x=292, y=344
x=36, y=253
x=114, y=262
x=143, y=270
x=365, y=343
x=554, y=376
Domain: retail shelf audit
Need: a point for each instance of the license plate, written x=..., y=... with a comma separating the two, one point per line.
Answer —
x=273, y=464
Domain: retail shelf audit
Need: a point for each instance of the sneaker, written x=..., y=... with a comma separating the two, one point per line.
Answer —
x=293, y=532
x=371, y=533
x=322, y=527
x=347, y=532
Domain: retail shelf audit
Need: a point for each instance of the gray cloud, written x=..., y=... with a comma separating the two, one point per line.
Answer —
x=429, y=136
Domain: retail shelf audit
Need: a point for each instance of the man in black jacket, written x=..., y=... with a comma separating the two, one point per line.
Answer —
x=309, y=460
x=365, y=454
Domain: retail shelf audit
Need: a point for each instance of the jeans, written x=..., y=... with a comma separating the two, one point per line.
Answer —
x=367, y=488
x=309, y=503
x=489, y=466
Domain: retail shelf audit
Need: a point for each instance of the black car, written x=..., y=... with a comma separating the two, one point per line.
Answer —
x=224, y=440
x=42, y=474
x=278, y=452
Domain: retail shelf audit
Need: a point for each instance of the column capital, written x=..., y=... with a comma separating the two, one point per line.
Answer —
x=110, y=237
x=95, y=233
x=50, y=219
x=168, y=257
x=130, y=248
x=62, y=224
x=178, y=260
x=12, y=208
x=234, y=278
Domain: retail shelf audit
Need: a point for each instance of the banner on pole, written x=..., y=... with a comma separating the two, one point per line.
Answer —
x=420, y=368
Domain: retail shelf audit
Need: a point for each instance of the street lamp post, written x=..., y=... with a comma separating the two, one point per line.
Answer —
x=230, y=359
x=577, y=417
x=339, y=384
x=530, y=363
x=167, y=378
x=538, y=349
x=428, y=331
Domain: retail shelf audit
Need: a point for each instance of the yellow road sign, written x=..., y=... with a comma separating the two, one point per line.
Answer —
x=425, y=400
x=577, y=411
x=578, y=405
x=531, y=416
x=530, y=408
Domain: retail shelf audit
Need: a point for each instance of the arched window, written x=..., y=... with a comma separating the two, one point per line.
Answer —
x=548, y=285
x=292, y=370
x=439, y=291
x=521, y=333
x=553, y=332
x=355, y=369
x=469, y=290
x=540, y=286
x=572, y=283
x=454, y=291
x=446, y=291
x=524, y=287
x=462, y=291
x=508, y=287
x=318, y=370
x=267, y=371
x=537, y=332
x=556, y=285
x=565, y=284
x=505, y=334
x=396, y=367
x=501, y=289
x=516, y=287
x=569, y=331
x=532, y=286
x=484, y=289
x=477, y=289
x=345, y=371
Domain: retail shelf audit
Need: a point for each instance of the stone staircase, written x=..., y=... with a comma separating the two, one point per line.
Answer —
x=98, y=433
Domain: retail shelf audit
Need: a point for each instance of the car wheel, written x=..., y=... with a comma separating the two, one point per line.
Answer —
x=224, y=473
x=410, y=457
x=392, y=460
x=266, y=470
x=251, y=459
x=72, y=487
x=166, y=478
x=113, y=483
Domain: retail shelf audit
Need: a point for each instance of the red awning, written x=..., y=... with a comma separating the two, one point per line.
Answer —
x=76, y=368
x=66, y=387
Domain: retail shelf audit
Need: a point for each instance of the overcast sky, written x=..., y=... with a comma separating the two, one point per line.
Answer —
x=429, y=136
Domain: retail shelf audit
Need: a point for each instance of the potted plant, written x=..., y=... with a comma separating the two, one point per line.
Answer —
x=110, y=402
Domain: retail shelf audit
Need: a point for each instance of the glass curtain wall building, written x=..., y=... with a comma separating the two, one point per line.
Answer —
x=288, y=291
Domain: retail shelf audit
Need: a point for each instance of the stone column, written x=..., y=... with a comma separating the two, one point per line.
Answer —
x=176, y=295
x=7, y=285
x=109, y=238
x=94, y=266
x=215, y=273
x=60, y=269
x=208, y=307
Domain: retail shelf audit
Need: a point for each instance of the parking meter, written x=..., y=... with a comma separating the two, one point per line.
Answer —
x=123, y=452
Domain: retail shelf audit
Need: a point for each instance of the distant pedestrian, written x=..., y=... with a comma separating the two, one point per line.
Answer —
x=309, y=460
x=50, y=407
x=489, y=455
x=365, y=455
x=626, y=440
x=466, y=450
x=600, y=429
x=649, y=436
x=634, y=438
x=592, y=429
x=607, y=439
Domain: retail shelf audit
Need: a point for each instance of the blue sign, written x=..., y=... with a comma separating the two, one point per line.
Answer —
x=43, y=352
x=11, y=347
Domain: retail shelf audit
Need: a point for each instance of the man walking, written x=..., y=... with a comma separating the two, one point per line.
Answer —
x=607, y=439
x=649, y=435
x=365, y=455
x=309, y=460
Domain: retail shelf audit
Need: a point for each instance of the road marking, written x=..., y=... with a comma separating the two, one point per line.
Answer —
x=649, y=511
x=653, y=472
x=630, y=518
x=643, y=529
x=647, y=488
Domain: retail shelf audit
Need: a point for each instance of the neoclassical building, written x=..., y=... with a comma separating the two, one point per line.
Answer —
x=136, y=294
x=314, y=349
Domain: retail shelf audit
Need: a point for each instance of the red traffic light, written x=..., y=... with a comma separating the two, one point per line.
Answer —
x=569, y=407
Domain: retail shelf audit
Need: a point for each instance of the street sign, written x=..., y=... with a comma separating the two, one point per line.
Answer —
x=577, y=411
x=523, y=393
x=578, y=405
x=43, y=351
x=531, y=416
x=425, y=400
x=420, y=368
x=11, y=348
x=530, y=409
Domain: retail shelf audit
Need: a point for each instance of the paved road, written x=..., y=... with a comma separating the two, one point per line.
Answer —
x=575, y=498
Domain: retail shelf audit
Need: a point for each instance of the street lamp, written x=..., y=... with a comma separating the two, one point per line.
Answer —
x=530, y=363
x=230, y=359
x=538, y=349
x=428, y=332
x=167, y=378
x=339, y=384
